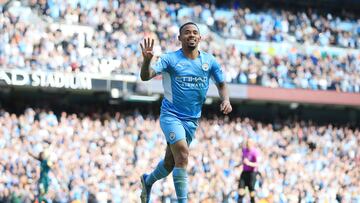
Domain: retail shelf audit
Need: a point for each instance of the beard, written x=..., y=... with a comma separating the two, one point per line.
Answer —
x=191, y=46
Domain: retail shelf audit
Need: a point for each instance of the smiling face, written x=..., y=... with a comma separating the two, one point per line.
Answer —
x=189, y=36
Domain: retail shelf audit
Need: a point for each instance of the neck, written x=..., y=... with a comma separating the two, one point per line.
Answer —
x=192, y=54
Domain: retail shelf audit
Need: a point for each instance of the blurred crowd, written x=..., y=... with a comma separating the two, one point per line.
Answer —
x=289, y=26
x=103, y=37
x=242, y=23
x=99, y=157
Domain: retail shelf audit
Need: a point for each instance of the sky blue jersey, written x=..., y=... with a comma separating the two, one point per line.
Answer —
x=186, y=82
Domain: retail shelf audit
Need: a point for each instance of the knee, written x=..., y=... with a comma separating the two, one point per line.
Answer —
x=241, y=192
x=252, y=194
x=181, y=160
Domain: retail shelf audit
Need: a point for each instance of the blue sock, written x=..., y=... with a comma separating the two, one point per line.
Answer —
x=159, y=173
x=180, y=183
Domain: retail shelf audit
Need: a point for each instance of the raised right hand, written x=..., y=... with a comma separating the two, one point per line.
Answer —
x=147, y=49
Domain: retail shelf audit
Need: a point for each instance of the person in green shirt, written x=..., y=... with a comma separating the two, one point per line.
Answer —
x=44, y=180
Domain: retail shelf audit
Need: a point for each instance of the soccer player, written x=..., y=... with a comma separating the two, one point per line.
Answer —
x=185, y=77
x=44, y=180
x=250, y=156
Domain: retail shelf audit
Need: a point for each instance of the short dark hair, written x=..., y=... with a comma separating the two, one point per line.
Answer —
x=185, y=24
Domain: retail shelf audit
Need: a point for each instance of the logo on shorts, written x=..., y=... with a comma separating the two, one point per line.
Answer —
x=205, y=67
x=172, y=135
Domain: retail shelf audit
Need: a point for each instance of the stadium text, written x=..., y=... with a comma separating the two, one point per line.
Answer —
x=45, y=79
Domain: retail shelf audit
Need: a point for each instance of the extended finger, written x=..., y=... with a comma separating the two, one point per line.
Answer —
x=142, y=48
x=148, y=42
x=145, y=43
x=152, y=43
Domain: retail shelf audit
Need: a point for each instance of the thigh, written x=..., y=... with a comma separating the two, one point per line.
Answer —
x=43, y=186
x=172, y=128
x=252, y=181
x=242, y=181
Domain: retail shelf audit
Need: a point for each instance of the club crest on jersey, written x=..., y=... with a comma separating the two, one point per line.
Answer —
x=172, y=135
x=205, y=67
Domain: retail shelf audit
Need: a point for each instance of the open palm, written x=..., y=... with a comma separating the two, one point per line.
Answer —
x=147, y=48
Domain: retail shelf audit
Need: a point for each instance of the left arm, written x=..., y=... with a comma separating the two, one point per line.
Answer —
x=33, y=156
x=249, y=163
x=225, y=105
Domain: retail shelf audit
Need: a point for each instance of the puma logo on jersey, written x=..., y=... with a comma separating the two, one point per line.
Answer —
x=180, y=65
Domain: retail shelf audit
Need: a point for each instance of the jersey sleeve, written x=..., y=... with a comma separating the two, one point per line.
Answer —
x=161, y=64
x=216, y=72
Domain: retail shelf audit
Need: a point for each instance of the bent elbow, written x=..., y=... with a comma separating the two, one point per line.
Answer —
x=144, y=78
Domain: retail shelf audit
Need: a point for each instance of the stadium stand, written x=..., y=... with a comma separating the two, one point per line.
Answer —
x=301, y=161
x=95, y=37
x=104, y=138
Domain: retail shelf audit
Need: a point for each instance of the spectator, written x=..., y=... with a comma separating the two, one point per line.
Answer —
x=96, y=159
x=97, y=39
